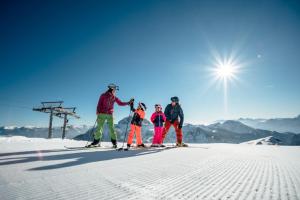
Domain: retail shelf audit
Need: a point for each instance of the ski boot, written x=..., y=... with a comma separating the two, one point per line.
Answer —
x=155, y=145
x=128, y=147
x=181, y=144
x=95, y=143
x=114, y=143
x=141, y=145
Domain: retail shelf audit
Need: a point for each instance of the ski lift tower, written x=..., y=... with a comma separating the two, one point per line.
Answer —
x=63, y=113
x=55, y=108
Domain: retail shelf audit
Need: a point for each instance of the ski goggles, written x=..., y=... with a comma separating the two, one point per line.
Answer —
x=158, y=106
x=113, y=86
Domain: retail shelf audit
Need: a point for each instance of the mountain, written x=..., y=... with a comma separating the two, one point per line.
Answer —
x=121, y=127
x=230, y=131
x=234, y=126
x=42, y=132
x=223, y=132
x=236, y=132
x=276, y=124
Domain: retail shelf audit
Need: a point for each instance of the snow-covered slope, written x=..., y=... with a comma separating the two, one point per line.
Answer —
x=270, y=140
x=44, y=169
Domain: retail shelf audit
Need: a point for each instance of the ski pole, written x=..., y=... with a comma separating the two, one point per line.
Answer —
x=125, y=131
x=91, y=131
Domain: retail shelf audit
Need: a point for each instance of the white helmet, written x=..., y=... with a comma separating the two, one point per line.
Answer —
x=113, y=86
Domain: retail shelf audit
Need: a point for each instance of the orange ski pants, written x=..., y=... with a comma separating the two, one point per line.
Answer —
x=137, y=130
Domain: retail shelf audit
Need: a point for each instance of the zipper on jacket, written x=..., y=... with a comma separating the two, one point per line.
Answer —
x=159, y=120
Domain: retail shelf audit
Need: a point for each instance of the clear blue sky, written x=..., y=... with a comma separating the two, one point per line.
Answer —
x=70, y=50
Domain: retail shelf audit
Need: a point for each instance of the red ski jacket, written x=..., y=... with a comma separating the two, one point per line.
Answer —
x=106, y=103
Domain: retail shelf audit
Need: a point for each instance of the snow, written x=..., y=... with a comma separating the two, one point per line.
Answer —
x=10, y=127
x=34, y=168
x=270, y=140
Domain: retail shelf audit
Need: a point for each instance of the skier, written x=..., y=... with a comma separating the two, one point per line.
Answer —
x=172, y=112
x=158, y=118
x=104, y=113
x=136, y=125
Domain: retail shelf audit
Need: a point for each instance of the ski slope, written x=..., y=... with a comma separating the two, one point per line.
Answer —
x=32, y=168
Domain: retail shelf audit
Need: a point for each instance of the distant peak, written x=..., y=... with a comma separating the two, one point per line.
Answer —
x=10, y=127
x=232, y=122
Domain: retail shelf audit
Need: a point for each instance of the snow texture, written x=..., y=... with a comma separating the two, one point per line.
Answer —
x=32, y=168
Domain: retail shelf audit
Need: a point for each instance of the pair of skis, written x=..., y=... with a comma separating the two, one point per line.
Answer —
x=119, y=149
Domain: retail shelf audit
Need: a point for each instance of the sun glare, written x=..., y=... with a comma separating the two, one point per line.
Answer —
x=225, y=71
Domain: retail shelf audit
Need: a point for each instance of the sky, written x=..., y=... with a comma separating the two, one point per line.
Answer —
x=71, y=50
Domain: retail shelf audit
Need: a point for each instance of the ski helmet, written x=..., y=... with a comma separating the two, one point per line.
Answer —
x=175, y=99
x=113, y=86
x=143, y=106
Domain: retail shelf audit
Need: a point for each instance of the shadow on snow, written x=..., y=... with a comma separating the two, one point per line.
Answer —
x=78, y=157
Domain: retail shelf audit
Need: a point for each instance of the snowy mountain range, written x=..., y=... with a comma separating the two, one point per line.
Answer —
x=222, y=132
x=230, y=131
x=277, y=124
x=42, y=132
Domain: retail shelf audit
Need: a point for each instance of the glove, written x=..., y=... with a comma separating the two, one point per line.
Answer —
x=131, y=101
x=180, y=126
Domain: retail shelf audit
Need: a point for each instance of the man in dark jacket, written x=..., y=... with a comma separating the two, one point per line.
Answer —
x=105, y=109
x=174, y=111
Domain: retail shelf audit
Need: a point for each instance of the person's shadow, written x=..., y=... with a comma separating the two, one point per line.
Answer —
x=78, y=157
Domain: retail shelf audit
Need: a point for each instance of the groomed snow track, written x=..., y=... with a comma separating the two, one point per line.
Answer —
x=212, y=171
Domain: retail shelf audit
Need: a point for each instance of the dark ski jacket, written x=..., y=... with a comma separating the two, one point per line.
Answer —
x=172, y=113
x=106, y=103
x=138, y=116
x=158, y=119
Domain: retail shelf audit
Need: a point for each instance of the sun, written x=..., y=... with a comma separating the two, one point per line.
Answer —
x=225, y=70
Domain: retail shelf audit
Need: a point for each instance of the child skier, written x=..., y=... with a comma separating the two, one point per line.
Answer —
x=136, y=125
x=158, y=118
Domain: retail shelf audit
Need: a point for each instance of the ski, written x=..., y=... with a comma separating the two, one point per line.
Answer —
x=132, y=148
x=87, y=148
x=145, y=148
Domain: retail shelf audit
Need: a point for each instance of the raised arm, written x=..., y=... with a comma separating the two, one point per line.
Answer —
x=132, y=108
x=121, y=103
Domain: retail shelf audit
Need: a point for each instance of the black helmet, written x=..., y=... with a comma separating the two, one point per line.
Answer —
x=113, y=86
x=143, y=106
x=175, y=99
